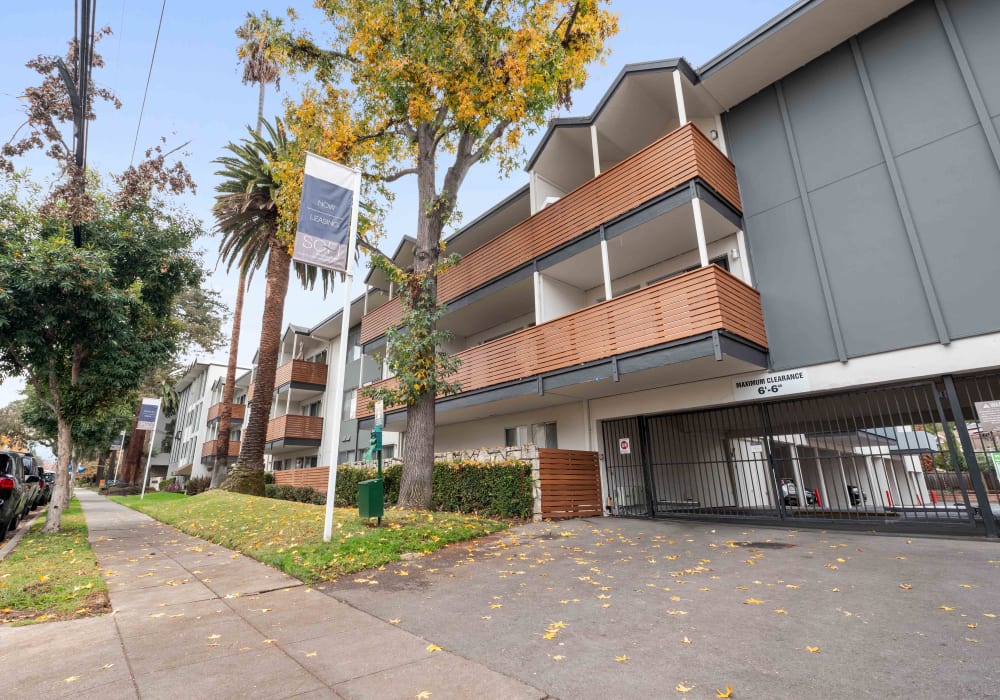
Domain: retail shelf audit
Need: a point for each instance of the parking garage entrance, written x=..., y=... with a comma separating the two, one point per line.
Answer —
x=889, y=457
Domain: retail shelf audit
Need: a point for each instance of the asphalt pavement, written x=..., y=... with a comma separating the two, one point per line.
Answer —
x=602, y=608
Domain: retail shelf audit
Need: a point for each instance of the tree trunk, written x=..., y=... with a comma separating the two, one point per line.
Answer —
x=53, y=520
x=415, y=488
x=416, y=484
x=226, y=411
x=247, y=476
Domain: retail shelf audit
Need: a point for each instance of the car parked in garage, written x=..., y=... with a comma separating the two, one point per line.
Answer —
x=790, y=494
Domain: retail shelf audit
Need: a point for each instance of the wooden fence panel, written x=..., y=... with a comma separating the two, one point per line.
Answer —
x=314, y=477
x=570, y=483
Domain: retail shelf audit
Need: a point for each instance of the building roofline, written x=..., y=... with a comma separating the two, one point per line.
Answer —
x=772, y=26
x=667, y=64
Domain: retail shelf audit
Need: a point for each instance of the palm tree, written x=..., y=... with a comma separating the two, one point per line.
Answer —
x=247, y=216
x=260, y=68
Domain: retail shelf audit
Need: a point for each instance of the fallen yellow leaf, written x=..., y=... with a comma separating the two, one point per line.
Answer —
x=905, y=586
x=752, y=601
x=971, y=625
x=215, y=636
x=681, y=688
x=433, y=647
x=423, y=695
x=394, y=621
x=685, y=641
x=727, y=693
x=781, y=612
x=621, y=658
x=72, y=678
x=814, y=650
x=310, y=654
x=945, y=608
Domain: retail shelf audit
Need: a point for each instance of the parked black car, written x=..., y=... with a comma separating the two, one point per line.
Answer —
x=33, y=481
x=790, y=494
x=13, y=491
x=45, y=493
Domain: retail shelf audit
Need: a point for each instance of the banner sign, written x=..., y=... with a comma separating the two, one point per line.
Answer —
x=148, y=413
x=330, y=192
x=116, y=444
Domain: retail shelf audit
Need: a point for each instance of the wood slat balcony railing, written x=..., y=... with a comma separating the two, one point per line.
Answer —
x=697, y=302
x=209, y=448
x=680, y=156
x=295, y=427
x=300, y=371
x=215, y=410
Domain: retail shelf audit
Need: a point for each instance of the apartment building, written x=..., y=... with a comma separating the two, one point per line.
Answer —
x=192, y=449
x=299, y=434
x=759, y=289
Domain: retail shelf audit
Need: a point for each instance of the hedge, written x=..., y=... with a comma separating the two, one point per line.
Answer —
x=500, y=490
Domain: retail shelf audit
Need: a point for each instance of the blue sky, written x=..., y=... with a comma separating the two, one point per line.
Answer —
x=195, y=95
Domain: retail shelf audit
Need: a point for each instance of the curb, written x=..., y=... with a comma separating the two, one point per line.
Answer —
x=22, y=528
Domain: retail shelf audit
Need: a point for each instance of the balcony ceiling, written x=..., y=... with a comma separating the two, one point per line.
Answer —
x=643, y=109
x=511, y=302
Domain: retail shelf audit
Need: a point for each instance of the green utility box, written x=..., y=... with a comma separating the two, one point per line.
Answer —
x=371, y=498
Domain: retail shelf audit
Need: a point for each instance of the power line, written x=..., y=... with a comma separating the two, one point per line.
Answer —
x=149, y=75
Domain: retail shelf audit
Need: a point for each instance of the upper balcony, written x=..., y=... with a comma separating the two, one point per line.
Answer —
x=300, y=374
x=215, y=411
x=294, y=430
x=208, y=450
x=667, y=164
x=700, y=324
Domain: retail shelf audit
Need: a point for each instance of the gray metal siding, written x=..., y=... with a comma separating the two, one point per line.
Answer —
x=900, y=242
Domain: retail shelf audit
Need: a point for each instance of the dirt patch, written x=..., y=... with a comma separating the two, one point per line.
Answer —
x=96, y=603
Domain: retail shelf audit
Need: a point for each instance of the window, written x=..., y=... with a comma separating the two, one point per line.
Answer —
x=312, y=461
x=313, y=409
x=350, y=405
x=722, y=261
x=278, y=465
x=538, y=434
x=319, y=358
x=354, y=344
x=388, y=451
x=346, y=457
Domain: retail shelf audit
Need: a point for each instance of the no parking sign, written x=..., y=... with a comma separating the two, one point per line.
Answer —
x=624, y=446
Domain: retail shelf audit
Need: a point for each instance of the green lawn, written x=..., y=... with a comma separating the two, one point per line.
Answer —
x=289, y=535
x=52, y=577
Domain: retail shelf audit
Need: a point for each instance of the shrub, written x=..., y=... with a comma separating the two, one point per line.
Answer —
x=301, y=494
x=500, y=490
x=198, y=484
x=170, y=486
x=268, y=478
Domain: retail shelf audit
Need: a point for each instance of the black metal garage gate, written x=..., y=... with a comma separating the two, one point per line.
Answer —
x=889, y=456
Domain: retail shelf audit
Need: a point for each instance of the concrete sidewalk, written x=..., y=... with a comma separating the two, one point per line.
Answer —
x=192, y=619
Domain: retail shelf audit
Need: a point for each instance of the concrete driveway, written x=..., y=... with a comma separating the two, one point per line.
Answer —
x=619, y=608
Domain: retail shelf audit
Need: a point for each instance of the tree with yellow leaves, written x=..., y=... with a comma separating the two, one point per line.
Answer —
x=429, y=88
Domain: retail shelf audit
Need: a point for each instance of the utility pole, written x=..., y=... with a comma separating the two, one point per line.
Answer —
x=79, y=93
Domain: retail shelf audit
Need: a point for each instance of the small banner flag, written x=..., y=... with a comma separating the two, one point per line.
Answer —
x=330, y=192
x=148, y=413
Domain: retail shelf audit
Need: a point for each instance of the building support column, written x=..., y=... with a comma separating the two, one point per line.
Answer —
x=606, y=265
x=594, y=151
x=679, y=95
x=699, y=229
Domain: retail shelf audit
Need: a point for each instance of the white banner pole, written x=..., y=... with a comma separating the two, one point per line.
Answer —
x=345, y=326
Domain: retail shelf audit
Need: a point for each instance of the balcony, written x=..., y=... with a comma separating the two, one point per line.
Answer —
x=208, y=450
x=239, y=412
x=679, y=157
x=300, y=374
x=295, y=430
x=715, y=315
